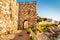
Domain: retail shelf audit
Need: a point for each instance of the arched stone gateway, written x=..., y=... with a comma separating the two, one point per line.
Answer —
x=25, y=24
x=28, y=14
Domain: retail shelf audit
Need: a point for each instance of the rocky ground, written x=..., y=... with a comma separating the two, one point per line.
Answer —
x=23, y=35
x=20, y=35
x=52, y=35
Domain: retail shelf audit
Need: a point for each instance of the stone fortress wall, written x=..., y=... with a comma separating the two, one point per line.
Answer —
x=28, y=13
x=8, y=15
x=9, y=10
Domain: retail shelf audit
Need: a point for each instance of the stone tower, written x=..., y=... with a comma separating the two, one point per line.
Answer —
x=8, y=15
x=28, y=16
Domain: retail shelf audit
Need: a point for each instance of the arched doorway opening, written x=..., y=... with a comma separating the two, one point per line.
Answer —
x=25, y=24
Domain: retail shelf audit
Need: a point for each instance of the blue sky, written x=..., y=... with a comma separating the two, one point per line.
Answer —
x=47, y=8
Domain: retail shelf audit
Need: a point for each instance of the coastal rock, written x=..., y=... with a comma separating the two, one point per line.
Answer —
x=43, y=37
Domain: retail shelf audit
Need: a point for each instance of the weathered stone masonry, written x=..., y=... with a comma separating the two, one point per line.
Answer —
x=27, y=13
x=8, y=15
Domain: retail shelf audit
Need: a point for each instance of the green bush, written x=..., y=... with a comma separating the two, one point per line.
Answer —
x=39, y=19
x=43, y=27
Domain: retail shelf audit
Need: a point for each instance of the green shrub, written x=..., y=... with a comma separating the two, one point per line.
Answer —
x=43, y=27
x=39, y=19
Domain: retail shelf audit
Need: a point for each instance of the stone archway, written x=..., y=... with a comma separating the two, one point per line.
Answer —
x=25, y=24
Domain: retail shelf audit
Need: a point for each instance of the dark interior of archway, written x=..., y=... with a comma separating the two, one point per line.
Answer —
x=23, y=24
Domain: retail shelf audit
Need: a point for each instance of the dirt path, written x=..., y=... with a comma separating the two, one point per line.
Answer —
x=22, y=36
